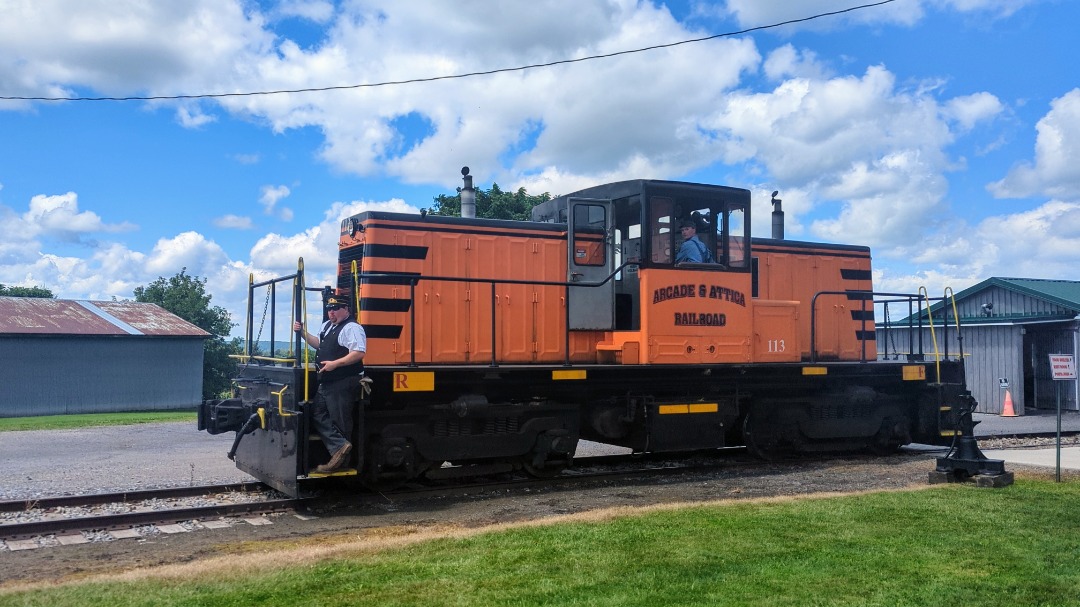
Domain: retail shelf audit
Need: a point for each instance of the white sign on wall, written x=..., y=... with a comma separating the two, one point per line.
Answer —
x=1062, y=366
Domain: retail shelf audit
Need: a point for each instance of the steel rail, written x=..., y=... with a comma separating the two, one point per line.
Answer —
x=97, y=499
x=25, y=530
x=669, y=464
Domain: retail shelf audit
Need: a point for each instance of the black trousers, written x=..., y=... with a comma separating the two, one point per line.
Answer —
x=335, y=412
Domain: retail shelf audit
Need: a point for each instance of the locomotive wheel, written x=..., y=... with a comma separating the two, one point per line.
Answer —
x=759, y=443
x=553, y=452
x=549, y=470
x=390, y=482
x=888, y=439
x=384, y=484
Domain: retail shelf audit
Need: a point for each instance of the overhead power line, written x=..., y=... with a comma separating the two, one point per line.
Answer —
x=519, y=68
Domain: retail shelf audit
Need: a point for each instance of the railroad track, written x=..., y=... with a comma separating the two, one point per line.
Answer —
x=95, y=499
x=69, y=515
x=1031, y=435
x=53, y=516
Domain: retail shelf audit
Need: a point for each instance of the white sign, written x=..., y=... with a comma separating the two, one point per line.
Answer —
x=1062, y=366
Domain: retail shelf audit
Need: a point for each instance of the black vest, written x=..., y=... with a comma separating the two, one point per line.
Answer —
x=329, y=349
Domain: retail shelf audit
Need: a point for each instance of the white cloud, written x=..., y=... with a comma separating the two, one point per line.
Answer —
x=119, y=263
x=317, y=245
x=972, y=109
x=319, y=11
x=113, y=269
x=787, y=62
x=189, y=250
x=279, y=253
x=934, y=281
x=538, y=119
x=1054, y=226
x=59, y=217
x=538, y=115
x=999, y=8
x=513, y=127
x=234, y=222
x=272, y=194
x=859, y=157
x=20, y=238
x=103, y=275
x=751, y=13
x=957, y=255
x=1055, y=170
x=888, y=201
x=126, y=47
x=270, y=197
x=192, y=117
x=876, y=150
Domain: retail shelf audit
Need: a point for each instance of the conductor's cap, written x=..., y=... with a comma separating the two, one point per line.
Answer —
x=337, y=301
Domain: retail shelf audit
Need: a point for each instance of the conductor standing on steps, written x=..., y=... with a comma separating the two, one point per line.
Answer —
x=340, y=347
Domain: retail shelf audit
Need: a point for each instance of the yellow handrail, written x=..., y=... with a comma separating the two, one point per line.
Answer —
x=956, y=316
x=280, y=394
x=933, y=335
x=245, y=357
x=356, y=290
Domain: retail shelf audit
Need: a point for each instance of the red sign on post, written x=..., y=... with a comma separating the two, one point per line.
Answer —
x=1062, y=366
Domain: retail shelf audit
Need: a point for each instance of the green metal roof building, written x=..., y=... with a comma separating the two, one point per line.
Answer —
x=1008, y=327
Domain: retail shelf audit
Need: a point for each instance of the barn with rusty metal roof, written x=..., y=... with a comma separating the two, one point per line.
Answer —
x=62, y=356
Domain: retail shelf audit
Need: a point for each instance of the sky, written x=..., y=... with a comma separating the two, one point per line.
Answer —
x=943, y=134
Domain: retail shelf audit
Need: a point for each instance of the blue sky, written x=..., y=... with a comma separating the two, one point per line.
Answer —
x=944, y=134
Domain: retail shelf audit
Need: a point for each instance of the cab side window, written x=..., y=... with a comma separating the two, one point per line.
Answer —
x=736, y=244
x=589, y=227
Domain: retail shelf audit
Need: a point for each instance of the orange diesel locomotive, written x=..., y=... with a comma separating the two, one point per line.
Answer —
x=496, y=344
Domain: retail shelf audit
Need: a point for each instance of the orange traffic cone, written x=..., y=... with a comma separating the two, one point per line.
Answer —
x=1008, y=411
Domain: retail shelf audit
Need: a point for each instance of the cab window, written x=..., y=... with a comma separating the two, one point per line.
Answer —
x=736, y=243
x=589, y=225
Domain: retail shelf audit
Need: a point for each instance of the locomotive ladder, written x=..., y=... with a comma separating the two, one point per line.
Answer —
x=964, y=459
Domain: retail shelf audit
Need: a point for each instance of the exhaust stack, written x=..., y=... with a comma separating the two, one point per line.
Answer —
x=777, y=217
x=468, y=195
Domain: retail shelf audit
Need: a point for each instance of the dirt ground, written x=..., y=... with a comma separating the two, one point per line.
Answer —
x=445, y=515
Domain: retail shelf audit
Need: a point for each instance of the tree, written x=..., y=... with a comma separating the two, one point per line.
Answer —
x=492, y=204
x=186, y=297
x=26, y=292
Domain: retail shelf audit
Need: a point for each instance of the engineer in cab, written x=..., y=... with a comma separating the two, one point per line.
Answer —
x=692, y=249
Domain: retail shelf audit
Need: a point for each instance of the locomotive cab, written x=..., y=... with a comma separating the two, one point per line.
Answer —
x=656, y=309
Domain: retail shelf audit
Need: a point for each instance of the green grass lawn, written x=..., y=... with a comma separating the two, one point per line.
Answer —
x=946, y=545
x=61, y=422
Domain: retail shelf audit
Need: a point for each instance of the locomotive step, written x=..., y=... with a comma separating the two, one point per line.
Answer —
x=341, y=472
